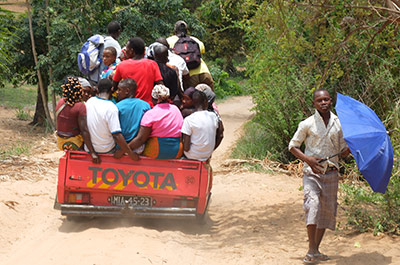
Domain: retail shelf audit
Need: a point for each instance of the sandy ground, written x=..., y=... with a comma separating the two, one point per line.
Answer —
x=254, y=218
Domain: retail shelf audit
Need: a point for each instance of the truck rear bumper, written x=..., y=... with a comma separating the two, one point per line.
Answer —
x=113, y=211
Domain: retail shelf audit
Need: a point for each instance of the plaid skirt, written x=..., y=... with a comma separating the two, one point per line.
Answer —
x=320, y=199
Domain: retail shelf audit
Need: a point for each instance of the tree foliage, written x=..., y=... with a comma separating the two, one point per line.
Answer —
x=225, y=22
x=342, y=46
x=8, y=37
x=71, y=23
x=295, y=49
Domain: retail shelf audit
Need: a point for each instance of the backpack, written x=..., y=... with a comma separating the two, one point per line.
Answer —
x=189, y=50
x=89, y=56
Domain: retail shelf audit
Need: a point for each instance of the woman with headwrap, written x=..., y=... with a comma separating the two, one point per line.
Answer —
x=72, y=129
x=160, y=128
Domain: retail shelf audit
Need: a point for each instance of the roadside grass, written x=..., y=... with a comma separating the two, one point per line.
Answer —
x=252, y=144
x=16, y=149
x=22, y=100
x=22, y=115
x=18, y=97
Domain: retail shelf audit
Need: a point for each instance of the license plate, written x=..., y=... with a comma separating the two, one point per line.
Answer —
x=131, y=200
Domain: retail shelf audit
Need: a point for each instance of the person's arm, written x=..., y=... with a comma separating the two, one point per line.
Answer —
x=119, y=139
x=186, y=142
x=141, y=137
x=294, y=147
x=86, y=138
x=312, y=161
x=220, y=134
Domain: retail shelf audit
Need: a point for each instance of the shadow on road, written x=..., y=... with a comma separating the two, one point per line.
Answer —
x=226, y=227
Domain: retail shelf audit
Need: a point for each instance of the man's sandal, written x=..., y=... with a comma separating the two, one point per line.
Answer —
x=321, y=257
x=310, y=259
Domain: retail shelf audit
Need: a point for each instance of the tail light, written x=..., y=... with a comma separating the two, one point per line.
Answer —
x=185, y=203
x=80, y=197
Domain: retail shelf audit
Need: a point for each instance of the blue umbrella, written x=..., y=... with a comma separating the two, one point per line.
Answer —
x=368, y=141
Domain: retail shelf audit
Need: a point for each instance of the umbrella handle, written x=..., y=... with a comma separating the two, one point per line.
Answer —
x=323, y=160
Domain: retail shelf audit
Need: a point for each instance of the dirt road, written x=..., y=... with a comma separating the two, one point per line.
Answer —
x=254, y=218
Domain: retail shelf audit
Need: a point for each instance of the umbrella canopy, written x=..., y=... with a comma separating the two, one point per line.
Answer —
x=368, y=141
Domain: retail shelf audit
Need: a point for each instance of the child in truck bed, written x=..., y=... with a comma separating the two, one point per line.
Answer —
x=109, y=60
x=202, y=131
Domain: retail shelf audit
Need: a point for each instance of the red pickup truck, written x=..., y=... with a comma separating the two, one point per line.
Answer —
x=123, y=187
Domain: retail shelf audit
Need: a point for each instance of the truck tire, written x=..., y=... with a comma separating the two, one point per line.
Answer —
x=201, y=219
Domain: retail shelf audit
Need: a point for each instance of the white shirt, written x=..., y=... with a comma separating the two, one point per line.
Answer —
x=180, y=64
x=102, y=122
x=320, y=141
x=202, y=127
x=111, y=42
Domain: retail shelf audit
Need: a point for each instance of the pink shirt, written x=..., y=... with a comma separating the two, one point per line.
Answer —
x=164, y=119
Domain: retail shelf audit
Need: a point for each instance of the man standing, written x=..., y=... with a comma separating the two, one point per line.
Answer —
x=323, y=137
x=114, y=30
x=200, y=74
x=144, y=71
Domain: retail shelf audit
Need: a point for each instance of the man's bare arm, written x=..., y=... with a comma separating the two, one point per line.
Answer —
x=119, y=139
x=141, y=138
x=86, y=138
x=220, y=134
x=186, y=142
x=310, y=160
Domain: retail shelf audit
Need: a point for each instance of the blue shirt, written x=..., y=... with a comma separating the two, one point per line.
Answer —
x=130, y=114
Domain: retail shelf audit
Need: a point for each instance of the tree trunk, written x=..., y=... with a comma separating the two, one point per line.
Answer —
x=42, y=88
x=39, y=117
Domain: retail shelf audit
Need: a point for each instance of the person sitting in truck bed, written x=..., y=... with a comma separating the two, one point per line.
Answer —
x=202, y=131
x=72, y=130
x=87, y=89
x=130, y=109
x=103, y=122
x=160, y=128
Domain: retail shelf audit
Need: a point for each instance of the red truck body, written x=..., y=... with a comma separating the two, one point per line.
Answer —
x=123, y=187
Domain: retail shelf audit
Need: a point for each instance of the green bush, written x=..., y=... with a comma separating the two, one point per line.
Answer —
x=22, y=115
x=224, y=85
x=369, y=211
x=254, y=145
x=295, y=49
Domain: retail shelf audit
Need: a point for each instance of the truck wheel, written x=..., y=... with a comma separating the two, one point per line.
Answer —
x=201, y=219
